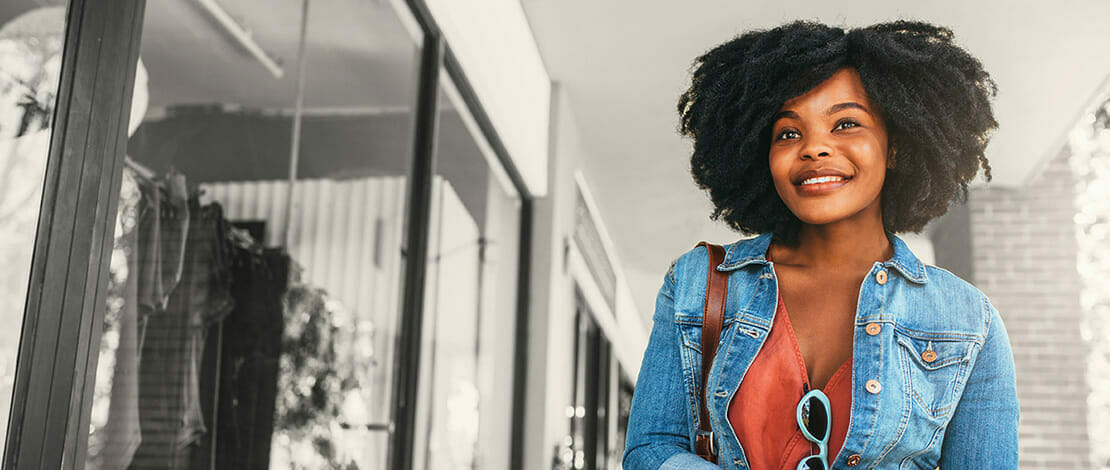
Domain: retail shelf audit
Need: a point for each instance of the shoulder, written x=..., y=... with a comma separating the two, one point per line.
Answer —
x=958, y=301
x=696, y=259
x=691, y=260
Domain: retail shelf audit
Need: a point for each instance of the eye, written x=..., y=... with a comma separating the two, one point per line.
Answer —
x=784, y=134
x=846, y=124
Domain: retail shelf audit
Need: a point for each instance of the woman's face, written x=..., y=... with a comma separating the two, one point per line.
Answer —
x=829, y=152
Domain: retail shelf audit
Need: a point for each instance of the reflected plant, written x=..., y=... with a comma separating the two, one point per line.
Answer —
x=310, y=390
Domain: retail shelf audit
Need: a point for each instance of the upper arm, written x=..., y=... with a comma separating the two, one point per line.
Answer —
x=983, y=431
x=658, y=423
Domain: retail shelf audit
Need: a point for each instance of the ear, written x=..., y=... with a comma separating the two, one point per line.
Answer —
x=891, y=154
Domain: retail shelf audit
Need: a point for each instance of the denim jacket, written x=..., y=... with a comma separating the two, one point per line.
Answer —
x=933, y=380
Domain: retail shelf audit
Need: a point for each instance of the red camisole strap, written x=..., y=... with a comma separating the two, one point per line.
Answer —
x=762, y=412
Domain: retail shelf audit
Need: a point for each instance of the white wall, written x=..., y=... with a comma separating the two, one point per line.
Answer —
x=494, y=44
x=555, y=265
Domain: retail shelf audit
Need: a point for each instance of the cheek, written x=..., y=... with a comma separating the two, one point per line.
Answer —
x=780, y=172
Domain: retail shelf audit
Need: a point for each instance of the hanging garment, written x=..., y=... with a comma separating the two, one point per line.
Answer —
x=163, y=229
x=249, y=362
x=170, y=409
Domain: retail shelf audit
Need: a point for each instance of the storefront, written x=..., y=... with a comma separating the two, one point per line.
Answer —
x=307, y=249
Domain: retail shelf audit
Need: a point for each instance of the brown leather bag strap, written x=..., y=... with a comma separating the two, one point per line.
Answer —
x=713, y=315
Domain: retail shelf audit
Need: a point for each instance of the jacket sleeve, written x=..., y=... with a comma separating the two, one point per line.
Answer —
x=659, y=425
x=983, y=432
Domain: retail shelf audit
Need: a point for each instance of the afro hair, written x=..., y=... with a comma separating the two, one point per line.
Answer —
x=934, y=98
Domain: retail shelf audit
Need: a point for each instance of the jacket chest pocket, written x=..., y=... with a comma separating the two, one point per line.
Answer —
x=934, y=370
x=689, y=330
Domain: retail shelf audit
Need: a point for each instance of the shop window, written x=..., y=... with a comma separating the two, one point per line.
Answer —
x=31, y=39
x=624, y=410
x=596, y=419
x=255, y=285
x=464, y=404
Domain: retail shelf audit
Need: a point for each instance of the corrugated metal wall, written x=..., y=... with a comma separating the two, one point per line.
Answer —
x=346, y=236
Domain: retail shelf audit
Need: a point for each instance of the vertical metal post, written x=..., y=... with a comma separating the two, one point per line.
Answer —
x=406, y=368
x=298, y=115
x=520, y=348
x=55, y=372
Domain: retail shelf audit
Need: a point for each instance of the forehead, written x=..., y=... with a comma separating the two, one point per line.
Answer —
x=842, y=86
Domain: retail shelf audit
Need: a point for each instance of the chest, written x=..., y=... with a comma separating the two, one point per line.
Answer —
x=822, y=310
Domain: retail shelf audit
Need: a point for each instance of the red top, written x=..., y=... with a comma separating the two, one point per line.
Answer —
x=763, y=410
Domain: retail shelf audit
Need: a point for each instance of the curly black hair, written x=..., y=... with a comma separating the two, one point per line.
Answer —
x=934, y=98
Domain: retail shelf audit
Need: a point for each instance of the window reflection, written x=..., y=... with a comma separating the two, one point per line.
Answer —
x=31, y=40
x=252, y=304
x=464, y=411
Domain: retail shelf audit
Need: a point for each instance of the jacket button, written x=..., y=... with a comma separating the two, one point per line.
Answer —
x=880, y=277
x=929, y=356
x=874, y=386
x=873, y=329
x=853, y=460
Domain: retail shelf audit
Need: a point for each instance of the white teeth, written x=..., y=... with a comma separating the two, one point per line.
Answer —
x=822, y=179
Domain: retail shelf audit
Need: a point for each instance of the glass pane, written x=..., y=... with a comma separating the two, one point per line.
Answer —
x=624, y=410
x=255, y=286
x=464, y=417
x=31, y=39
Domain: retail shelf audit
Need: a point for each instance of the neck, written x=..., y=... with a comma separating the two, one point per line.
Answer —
x=837, y=246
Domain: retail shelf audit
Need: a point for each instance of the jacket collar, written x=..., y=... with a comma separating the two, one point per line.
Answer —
x=754, y=251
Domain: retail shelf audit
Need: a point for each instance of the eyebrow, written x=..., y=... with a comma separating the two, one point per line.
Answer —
x=832, y=110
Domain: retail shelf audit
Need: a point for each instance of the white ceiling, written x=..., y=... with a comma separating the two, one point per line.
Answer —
x=623, y=64
x=358, y=55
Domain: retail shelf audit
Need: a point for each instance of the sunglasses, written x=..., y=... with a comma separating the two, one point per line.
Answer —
x=815, y=419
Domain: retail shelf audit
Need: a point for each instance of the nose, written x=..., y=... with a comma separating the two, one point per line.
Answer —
x=815, y=147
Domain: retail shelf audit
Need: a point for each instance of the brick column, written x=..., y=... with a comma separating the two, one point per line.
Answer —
x=1024, y=253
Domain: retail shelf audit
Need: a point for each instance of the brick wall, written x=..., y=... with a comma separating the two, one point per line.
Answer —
x=1024, y=250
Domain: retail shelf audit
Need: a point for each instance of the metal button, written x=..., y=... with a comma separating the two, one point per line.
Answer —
x=873, y=329
x=929, y=356
x=853, y=460
x=880, y=277
x=874, y=386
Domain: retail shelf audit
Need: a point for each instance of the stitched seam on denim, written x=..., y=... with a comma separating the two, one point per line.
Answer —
x=935, y=413
x=904, y=270
x=926, y=335
x=907, y=411
x=728, y=338
x=964, y=356
x=753, y=320
x=907, y=364
x=987, y=314
x=690, y=319
x=903, y=423
x=932, y=443
x=732, y=392
x=689, y=377
x=728, y=252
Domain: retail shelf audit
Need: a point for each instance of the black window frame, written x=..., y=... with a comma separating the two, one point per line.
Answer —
x=61, y=328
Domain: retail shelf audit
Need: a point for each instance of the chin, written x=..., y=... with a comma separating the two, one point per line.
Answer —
x=825, y=215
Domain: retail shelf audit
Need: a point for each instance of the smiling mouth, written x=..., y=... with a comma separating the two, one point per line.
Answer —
x=823, y=179
x=822, y=184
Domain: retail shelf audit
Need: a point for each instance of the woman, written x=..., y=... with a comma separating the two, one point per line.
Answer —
x=839, y=348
